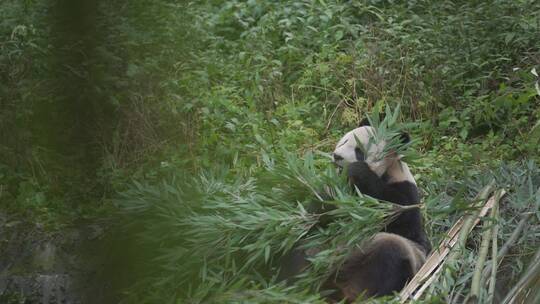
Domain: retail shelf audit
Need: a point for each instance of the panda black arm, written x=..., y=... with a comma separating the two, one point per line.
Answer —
x=369, y=183
x=409, y=224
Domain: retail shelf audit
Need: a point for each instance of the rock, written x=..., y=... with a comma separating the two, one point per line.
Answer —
x=41, y=288
x=45, y=256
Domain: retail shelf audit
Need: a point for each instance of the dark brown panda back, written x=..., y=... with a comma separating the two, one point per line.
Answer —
x=383, y=267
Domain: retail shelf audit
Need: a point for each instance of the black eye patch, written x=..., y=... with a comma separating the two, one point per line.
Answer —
x=359, y=154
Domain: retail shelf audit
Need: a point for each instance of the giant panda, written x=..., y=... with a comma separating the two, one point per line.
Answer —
x=387, y=261
x=390, y=258
x=389, y=179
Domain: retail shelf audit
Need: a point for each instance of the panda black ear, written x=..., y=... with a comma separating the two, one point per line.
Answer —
x=405, y=138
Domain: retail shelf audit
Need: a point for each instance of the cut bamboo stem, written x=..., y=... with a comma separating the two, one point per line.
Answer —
x=433, y=265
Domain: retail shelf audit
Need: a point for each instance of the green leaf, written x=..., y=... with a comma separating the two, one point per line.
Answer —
x=266, y=254
x=464, y=133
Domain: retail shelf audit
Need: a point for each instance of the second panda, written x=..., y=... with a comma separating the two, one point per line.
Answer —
x=391, y=258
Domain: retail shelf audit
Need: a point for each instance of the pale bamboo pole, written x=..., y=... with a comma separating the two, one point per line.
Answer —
x=474, y=295
x=524, y=284
x=432, y=267
x=509, y=242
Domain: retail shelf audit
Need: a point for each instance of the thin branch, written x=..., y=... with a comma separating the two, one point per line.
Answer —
x=332, y=117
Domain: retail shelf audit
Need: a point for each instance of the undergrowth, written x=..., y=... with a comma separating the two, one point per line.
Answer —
x=189, y=99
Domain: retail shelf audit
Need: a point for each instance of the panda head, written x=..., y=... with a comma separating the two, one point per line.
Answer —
x=373, y=153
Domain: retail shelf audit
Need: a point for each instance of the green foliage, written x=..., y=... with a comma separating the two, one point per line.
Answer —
x=522, y=181
x=166, y=90
x=232, y=230
x=389, y=132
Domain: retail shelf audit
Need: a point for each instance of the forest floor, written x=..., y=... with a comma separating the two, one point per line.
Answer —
x=38, y=266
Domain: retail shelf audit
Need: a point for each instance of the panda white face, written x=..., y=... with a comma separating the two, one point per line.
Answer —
x=347, y=152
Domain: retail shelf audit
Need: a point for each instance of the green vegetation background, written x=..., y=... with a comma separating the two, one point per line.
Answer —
x=119, y=110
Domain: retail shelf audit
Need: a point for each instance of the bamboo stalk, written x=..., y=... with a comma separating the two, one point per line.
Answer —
x=532, y=274
x=494, y=257
x=433, y=265
x=509, y=242
x=468, y=224
x=515, y=235
x=477, y=275
x=427, y=283
x=482, y=254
